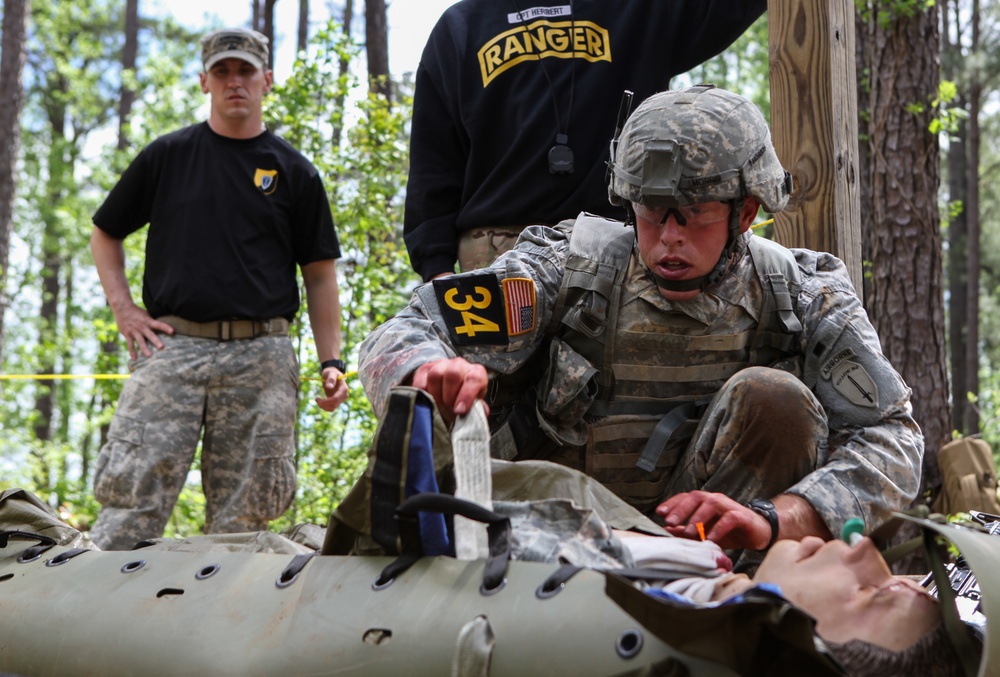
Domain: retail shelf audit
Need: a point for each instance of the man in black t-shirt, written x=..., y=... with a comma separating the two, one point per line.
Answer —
x=232, y=209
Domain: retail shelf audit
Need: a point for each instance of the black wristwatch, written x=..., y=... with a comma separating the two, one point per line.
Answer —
x=336, y=363
x=764, y=507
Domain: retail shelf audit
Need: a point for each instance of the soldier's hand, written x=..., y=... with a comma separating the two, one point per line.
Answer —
x=140, y=329
x=455, y=384
x=724, y=521
x=335, y=388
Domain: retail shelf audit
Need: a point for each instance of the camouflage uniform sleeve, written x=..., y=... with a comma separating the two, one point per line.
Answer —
x=496, y=317
x=875, y=449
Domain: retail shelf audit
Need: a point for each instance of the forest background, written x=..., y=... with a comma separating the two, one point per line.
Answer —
x=84, y=86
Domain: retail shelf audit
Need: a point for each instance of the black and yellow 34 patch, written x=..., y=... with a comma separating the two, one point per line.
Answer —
x=473, y=309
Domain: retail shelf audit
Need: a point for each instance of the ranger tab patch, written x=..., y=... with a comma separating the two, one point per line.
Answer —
x=472, y=307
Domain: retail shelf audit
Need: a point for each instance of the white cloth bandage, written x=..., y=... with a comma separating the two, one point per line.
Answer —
x=470, y=441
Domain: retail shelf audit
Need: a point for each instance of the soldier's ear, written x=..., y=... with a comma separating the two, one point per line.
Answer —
x=748, y=213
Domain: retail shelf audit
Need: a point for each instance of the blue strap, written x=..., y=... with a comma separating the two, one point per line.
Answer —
x=420, y=479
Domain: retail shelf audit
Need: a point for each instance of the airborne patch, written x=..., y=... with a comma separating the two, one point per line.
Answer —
x=473, y=309
x=266, y=180
x=835, y=360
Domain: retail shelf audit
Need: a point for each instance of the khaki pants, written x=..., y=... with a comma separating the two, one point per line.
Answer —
x=479, y=247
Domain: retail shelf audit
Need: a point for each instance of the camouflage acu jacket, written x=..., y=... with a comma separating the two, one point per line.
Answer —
x=501, y=316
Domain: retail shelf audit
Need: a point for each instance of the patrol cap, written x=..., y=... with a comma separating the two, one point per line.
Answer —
x=234, y=43
x=699, y=144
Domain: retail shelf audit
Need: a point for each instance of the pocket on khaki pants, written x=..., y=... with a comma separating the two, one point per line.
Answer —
x=272, y=487
x=117, y=471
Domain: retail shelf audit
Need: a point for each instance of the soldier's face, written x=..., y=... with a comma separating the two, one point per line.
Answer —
x=237, y=88
x=683, y=252
x=850, y=591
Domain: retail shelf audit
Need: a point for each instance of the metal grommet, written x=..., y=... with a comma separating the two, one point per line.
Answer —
x=207, y=572
x=545, y=591
x=21, y=559
x=283, y=582
x=54, y=562
x=629, y=643
x=134, y=565
x=379, y=584
x=486, y=592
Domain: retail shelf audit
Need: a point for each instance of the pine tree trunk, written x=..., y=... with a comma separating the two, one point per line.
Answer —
x=12, y=57
x=900, y=175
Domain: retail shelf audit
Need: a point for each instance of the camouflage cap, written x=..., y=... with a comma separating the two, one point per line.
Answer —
x=234, y=43
x=700, y=144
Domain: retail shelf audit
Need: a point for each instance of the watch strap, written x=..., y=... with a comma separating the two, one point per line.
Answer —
x=336, y=363
x=766, y=509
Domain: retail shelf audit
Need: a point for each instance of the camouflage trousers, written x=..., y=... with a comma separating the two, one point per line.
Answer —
x=240, y=398
x=762, y=433
x=479, y=247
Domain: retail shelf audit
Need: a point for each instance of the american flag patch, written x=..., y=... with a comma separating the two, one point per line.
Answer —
x=519, y=297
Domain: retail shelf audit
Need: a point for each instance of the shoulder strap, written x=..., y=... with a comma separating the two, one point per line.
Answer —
x=587, y=305
x=781, y=280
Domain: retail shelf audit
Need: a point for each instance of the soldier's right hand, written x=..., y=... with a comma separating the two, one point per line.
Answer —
x=139, y=328
x=455, y=384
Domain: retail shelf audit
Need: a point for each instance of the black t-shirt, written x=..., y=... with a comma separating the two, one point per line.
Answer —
x=487, y=108
x=229, y=219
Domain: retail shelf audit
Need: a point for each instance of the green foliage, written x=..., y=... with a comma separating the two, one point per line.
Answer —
x=743, y=67
x=946, y=117
x=887, y=11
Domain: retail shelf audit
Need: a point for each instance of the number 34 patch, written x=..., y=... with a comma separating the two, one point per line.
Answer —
x=479, y=311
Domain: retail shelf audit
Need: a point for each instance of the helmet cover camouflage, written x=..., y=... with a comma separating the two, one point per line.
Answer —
x=700, y=144
x=234, y=43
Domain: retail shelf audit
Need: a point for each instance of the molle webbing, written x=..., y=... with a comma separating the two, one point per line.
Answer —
x=646, y=373
x=779, y=275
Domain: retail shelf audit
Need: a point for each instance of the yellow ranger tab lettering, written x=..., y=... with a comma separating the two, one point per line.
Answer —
x=472, y=308
x=542, y=39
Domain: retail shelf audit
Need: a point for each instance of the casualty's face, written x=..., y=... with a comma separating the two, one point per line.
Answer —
x=682, y=252
x=850, y=591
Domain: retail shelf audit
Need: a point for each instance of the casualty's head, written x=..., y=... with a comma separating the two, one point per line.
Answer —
x=234, y=43
x=692, y=167
x=876, y=623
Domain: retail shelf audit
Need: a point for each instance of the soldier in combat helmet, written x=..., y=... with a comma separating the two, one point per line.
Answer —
x=708, y=376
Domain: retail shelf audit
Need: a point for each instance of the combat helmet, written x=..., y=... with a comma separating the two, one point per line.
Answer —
x=700, y=144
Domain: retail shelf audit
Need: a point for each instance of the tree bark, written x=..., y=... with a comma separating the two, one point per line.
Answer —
x=900, y=175
x=958, y=230
x=12, y=58
x=972, y=261
x=302, y=43
x=344, y=65
x=377, y=48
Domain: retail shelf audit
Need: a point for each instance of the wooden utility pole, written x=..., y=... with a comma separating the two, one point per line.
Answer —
x=814, y=125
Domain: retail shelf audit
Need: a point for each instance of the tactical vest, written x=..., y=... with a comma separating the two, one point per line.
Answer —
x=656, y=367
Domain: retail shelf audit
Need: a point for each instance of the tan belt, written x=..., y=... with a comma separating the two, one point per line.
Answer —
x=228, y=330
